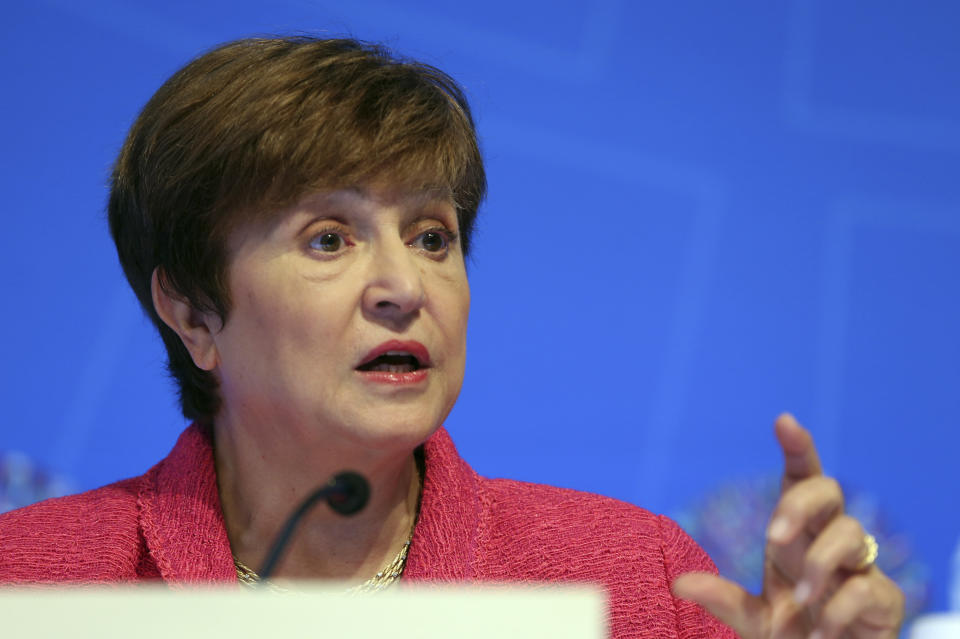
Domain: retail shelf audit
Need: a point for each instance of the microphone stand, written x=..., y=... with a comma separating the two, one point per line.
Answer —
x=346, y=493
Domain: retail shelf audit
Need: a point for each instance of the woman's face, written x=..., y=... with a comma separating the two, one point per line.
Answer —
x=348, y=319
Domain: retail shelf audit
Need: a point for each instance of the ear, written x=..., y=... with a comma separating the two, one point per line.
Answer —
x=195, y=329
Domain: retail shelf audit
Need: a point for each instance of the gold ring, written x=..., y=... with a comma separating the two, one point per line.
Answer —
x=870, y=556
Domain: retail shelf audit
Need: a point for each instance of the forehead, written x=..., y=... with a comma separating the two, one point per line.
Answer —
x=379, y=194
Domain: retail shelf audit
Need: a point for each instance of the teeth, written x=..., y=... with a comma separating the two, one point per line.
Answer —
x=393, y=368
x=397, y=353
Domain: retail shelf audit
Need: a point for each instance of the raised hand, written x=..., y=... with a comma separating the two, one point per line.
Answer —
x=819, y=577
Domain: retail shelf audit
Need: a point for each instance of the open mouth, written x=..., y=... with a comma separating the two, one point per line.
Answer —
x=392, y=362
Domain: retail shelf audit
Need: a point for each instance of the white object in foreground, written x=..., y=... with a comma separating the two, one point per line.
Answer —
x=936, y=627
x=549, y=612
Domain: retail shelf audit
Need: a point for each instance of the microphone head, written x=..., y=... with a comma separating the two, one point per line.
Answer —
x=350, y=493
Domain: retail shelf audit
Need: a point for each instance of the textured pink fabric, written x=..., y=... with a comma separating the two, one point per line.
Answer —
x=167, y=524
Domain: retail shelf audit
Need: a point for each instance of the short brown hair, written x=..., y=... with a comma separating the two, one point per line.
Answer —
x=252, y=126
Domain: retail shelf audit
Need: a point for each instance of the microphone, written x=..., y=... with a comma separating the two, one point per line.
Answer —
x=346, y=493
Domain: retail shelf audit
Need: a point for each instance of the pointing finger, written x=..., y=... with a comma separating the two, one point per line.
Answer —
x=800, y=459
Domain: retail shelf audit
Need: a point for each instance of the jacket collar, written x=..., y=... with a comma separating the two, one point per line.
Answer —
x=180, y=515
x=445, y=537
x=182, y=521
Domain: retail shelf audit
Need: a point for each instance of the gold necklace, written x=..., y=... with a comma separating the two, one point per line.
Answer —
x=389, y=574
x=386, y=576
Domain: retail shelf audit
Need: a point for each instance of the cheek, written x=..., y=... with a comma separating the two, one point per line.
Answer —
x=309, y=320
x=281, y=339
x=455, y=309
x=260, y=309
x=268, y=314
x=248, y=335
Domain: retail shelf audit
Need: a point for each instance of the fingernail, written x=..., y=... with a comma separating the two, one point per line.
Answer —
x=777, y=531
x=802, y=592
x=816, y=634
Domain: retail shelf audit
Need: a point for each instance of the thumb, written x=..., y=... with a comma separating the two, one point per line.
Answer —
x=723, y=599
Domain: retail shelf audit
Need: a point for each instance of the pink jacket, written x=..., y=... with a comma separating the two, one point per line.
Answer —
x=167, y=524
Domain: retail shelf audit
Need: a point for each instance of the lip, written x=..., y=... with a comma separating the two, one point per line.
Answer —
x=396, y=379
x=410, y=378
x=416, y=349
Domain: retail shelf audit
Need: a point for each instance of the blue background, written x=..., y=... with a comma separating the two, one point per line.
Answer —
x=701, y=214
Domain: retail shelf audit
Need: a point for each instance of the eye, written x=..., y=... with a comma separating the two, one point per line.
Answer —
x=327, y=242
x=434, y=240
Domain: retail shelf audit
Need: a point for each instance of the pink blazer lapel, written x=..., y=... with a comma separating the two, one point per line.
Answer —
x=445, y=537
x=180, y=515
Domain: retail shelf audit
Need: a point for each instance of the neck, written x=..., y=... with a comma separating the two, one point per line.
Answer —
x=262, y=480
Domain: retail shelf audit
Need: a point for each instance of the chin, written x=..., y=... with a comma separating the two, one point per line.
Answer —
x=391, y=434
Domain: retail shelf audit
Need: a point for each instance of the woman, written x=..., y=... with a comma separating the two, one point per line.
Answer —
x=294, y=215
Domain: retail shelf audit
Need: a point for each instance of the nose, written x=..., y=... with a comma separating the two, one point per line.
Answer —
x=394, y=289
